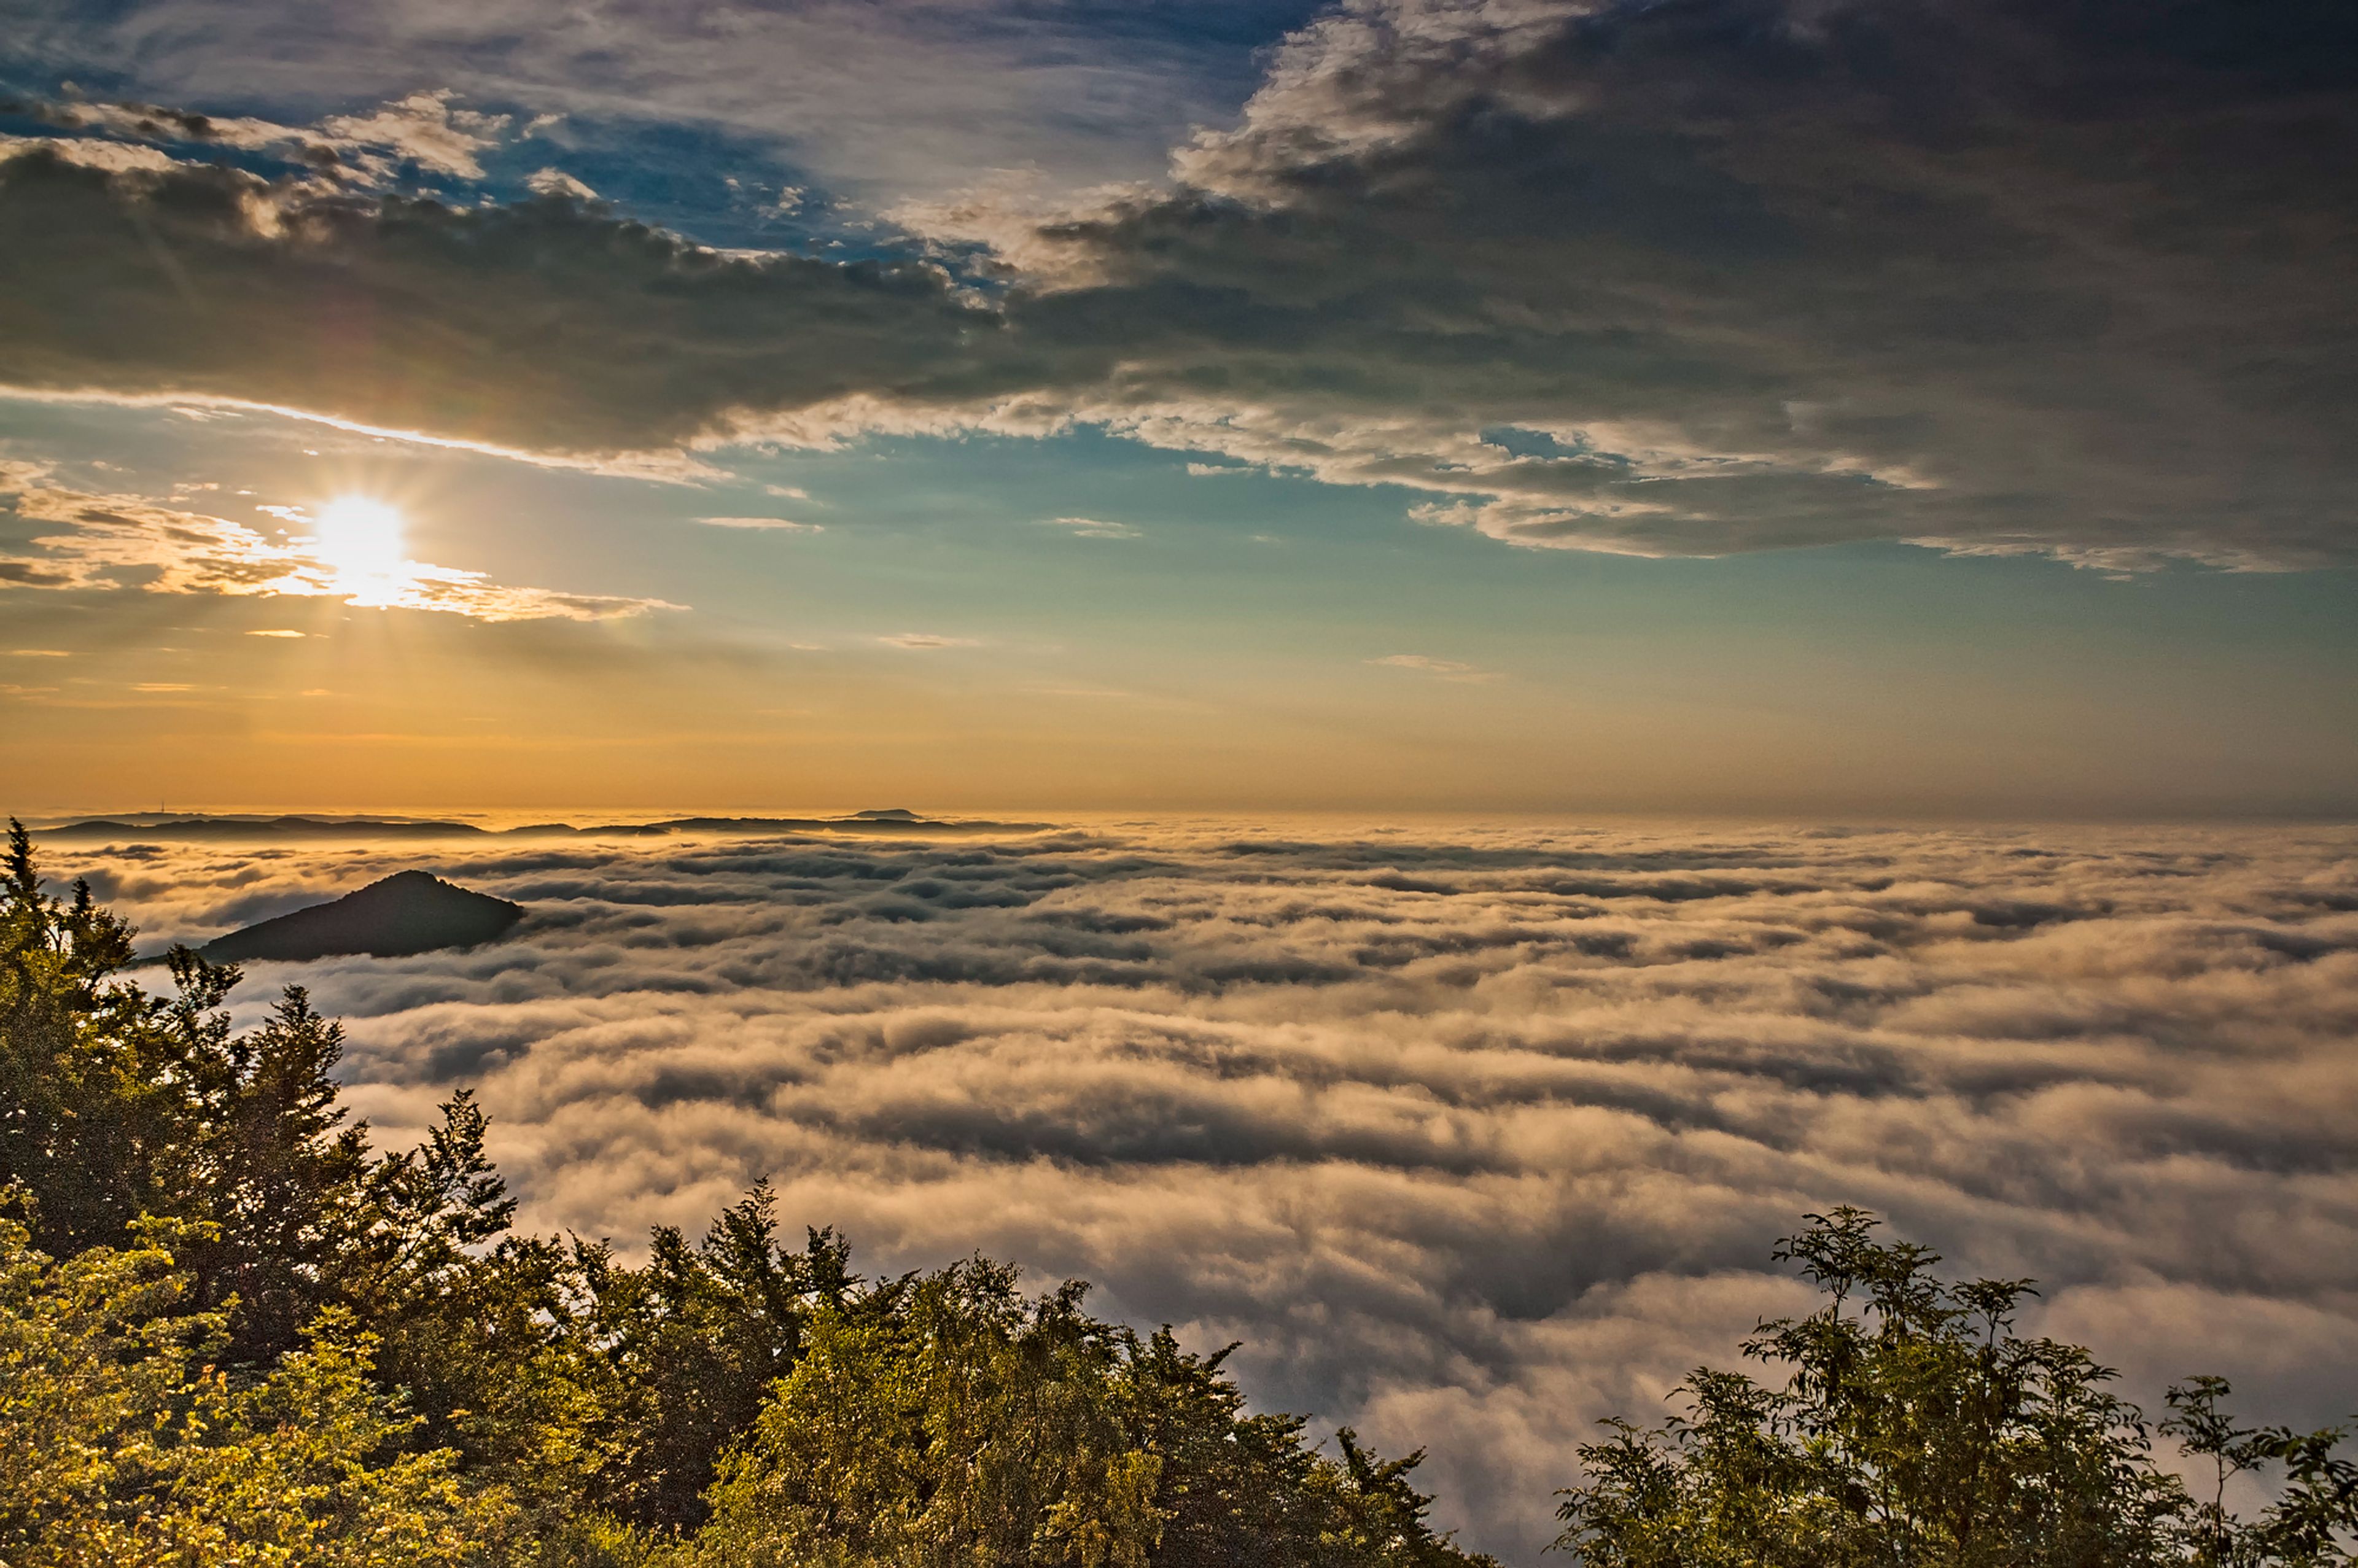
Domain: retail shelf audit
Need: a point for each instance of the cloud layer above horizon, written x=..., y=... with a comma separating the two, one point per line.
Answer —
x=109, y=541
x=1472, y=1137
x=1666, y=279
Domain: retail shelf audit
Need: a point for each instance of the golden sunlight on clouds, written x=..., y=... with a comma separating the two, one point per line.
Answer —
x=351, y=550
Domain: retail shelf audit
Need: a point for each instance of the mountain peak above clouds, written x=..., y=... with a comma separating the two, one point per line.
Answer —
x=409, y=911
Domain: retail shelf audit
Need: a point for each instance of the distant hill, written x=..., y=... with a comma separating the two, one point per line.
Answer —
x=202, y=829
x=409, y=911
x=174, y=828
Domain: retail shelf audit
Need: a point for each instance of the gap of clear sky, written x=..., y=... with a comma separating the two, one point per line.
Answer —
x=1902, y=409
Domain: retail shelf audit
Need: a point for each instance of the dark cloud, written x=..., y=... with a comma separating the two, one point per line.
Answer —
x=1687, y=277
x=1472, y=1137
x=921, y=95
x=1726, y=273
x=542, y=325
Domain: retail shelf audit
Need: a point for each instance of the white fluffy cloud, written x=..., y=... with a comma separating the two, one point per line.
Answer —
x=1472, y=1137
x=556, y=182
x=426, y=130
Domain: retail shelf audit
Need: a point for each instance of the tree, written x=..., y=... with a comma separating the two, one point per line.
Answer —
x=96, y=1095
x=689, y=1345
x=948, y=1419
x=944, y=1421
x=2311, y=1522
x=119, y=1104
x=1917, y=1428
x=120, y=1448
x=282, y=1184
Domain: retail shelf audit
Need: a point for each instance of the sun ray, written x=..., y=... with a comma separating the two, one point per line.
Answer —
x=359, y=539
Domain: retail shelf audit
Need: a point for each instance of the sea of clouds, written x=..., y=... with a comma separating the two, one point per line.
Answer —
x=1473, y=1136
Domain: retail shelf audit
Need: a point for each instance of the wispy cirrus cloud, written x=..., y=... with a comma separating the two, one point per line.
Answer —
x=927, y=642
x=773, y=525
x=1441, y=669
x=1097, y=528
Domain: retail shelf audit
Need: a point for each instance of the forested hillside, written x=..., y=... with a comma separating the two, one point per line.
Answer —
x=231, y=1331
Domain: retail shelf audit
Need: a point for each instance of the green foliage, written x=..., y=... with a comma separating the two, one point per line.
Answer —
x=946, y=1420
x=283, y=1188
x=691, y=1343
x=319, y=1354
x=118, y=1447
x=2311, y=1521
x=1247, y=1488
x=95, y=1102
x=1916, y=1428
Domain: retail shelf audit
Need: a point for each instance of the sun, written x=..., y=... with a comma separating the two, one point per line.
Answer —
x=359, y=538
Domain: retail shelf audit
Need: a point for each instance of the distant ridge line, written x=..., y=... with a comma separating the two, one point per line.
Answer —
x=198, y=828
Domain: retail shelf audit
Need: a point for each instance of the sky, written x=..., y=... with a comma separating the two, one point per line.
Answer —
x=1897, y=409
x=1626, y=620
x=1474, y=1134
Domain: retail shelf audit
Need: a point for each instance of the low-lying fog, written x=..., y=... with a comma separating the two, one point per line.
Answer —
x=1472, y=1137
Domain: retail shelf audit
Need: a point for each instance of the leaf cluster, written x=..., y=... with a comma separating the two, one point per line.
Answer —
x=1915, y=1427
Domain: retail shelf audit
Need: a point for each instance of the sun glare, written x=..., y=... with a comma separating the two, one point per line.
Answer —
x=358, y=539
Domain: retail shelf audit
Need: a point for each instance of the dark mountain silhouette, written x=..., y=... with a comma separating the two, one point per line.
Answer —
x=409, y=911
